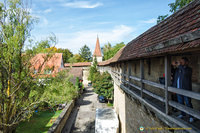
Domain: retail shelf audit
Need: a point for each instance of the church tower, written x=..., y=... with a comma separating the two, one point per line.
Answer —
x=97, y=51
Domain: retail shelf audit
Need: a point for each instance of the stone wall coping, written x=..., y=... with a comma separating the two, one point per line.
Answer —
x=58, y=124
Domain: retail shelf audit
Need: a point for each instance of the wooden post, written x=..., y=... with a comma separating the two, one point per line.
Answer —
x=167, y=81
x=129, y=74
x=120, y=72
x=142, y=76
x=123, y=72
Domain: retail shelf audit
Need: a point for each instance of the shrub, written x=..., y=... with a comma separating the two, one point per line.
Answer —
x=103, y=85
x=59, y=89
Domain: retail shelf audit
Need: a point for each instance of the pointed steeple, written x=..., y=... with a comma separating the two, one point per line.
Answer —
x=97, y=51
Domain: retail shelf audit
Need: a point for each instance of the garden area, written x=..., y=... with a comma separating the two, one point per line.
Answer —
x=58, y=91
x=39, y=123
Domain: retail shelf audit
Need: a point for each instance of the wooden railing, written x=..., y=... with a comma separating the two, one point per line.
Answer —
x=190, y=94
x=122, y=77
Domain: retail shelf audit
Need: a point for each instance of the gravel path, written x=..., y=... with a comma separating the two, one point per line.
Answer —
x=87, y=105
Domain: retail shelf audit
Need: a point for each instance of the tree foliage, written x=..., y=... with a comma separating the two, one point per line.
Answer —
x=59, y=90
x=103, y=85
x=67, y=54
x=16, y=80
x=19, y=87
x=109, y=51
x=173, y=8
x=93, y=70
x=85, y=53
x=76, y=58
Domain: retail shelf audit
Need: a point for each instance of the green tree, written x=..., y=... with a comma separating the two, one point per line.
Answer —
x=173, y=8
x=67, y=54
x=93, y=70
x=19, y=88
x=76, y=58
x=103, y=85
x=109, y=52
x=59, y=90
x=85, y=53
x=106, y=49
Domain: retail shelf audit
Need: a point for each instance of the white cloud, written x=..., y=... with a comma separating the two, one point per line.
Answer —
x=120, y=33
x=150, y=21
x=82, y=4
x=47, y=10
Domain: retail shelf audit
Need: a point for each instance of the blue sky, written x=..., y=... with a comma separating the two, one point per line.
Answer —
x=77, y=22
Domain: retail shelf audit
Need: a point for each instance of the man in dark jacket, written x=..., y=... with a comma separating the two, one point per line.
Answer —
x=183, y=80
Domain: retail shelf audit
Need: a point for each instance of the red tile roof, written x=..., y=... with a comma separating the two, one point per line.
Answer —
x=54, y=62
x=97, y=51
x=79, y=64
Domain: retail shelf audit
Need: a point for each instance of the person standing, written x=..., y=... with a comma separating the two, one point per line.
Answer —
x=183, y=80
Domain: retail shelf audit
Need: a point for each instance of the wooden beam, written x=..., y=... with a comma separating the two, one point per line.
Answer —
x=185, y=109
x=187, y=93
x=129, y=73
x=184, y=38
x=135, y=78
x=154, y=95
x=142, y=76
x=135, y=86
x=154, y=84
x=167, y=80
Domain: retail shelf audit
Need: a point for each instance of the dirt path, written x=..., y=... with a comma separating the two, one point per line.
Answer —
x=87, y=105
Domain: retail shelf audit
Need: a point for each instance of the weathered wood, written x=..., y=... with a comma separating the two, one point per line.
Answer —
x=191, y=94
x=154, y=84
x=169, y=120
x=135, y=78
x=167, y=80
x=185, y=109
x=129, y=74
x=154, y=95
x=142, y=76
x=135, y=86
x=174, y=41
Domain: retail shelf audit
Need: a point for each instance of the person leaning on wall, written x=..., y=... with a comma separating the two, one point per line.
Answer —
x=183, y=80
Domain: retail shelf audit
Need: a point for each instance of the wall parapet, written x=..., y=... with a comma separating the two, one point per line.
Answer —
x=59, y=124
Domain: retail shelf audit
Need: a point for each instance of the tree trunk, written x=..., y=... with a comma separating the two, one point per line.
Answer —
x=7, y=129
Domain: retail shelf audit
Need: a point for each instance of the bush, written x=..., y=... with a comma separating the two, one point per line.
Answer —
x=103, y=85
x=59, y=89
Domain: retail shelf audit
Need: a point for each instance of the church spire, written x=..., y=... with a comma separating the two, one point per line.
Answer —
x=97, y=51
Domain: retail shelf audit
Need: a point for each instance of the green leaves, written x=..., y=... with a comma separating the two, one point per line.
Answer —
x=109, y=51
x=173, y=8
x=59, y=90
x=93, y=70
x=85, y=53
x=103, y=85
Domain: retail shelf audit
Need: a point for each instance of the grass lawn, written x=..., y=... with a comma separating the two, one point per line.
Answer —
x=39, y=123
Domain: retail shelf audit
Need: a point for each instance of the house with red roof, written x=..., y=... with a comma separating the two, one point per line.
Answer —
x=47, y=64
